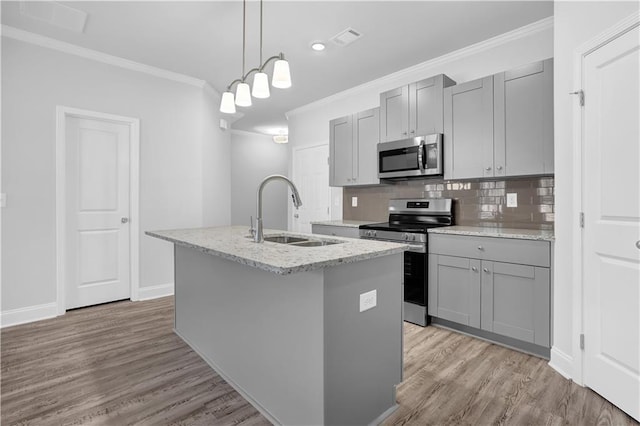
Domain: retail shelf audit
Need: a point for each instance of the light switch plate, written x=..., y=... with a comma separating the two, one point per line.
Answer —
x=512, y=199
x=368, y=300
x=354, y=201
x=3, y=200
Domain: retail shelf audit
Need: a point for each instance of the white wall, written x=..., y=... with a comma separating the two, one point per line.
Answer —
x=575, y=23
x=309, y=125
x=253, y=157
x=184, y=171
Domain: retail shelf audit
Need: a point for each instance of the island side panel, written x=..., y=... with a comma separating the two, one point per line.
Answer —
x=363, y=350
x=263, y=332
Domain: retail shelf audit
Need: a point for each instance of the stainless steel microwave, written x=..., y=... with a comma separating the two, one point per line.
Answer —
x=413, y=157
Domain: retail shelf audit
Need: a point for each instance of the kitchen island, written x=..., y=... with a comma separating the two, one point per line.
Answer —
x=284, y=324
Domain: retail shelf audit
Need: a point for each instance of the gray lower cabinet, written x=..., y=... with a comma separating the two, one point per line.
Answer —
x=454, y=289
x=335, y=230
x=353, y=141
x=507, y=298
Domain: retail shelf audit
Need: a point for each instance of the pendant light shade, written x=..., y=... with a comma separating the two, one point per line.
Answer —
x=227, y=105
x=260, y=85
x=281, y=75
x=243, y=95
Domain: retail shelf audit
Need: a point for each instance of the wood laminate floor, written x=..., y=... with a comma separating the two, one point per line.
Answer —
x=121, y=364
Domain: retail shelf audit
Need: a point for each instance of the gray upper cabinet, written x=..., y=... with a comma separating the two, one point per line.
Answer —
x=501, y=125
x=468, y=129
x=352, y=149
x=341, y=163
x=366, y=134
x=523, y=119
x=394, y=114
x=413, y=110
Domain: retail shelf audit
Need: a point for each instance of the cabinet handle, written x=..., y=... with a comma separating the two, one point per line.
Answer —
x=486, y=270
x=124, y=220
x=499, y=167
x=474, y=269
x=480, y=248
x=487, y=168
x=413, y=131
x=638, y=244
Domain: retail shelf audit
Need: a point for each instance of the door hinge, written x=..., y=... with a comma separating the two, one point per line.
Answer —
x=582, y=341
x=581, y=219
x=580, y=94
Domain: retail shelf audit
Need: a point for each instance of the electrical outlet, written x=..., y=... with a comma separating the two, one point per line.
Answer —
x=512, y=199
x=354, y=201
x=368, y=300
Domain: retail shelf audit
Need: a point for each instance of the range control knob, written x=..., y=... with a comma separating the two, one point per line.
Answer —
x=368, y=233
x=413, y=237
x=375, y=233
x=406, y=237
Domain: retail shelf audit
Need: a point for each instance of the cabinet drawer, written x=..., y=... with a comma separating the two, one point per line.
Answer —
x=510, y=250
x=339, y=231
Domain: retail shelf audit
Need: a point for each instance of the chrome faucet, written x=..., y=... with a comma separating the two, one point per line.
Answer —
x=256, y=232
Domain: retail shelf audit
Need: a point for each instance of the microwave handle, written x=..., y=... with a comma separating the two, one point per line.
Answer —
x=420, y=156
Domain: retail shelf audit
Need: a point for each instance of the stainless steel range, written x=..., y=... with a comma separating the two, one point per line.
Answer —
x=409, y=219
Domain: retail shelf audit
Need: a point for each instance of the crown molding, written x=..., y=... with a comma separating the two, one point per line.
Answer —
x=527, y=30
x=72, y=49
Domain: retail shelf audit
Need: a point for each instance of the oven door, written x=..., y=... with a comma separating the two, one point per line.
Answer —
x=415, y=277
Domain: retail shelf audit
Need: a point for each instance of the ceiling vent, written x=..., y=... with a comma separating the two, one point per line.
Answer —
x=346, y=37
x=55, y=14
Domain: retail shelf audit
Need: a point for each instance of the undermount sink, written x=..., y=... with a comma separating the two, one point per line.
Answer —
x=284, y=239
x=299, y=241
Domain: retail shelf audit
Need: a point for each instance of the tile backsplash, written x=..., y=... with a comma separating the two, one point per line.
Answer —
x=475, y=202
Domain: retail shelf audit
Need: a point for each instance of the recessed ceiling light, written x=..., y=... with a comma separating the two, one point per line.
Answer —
x=317, y=46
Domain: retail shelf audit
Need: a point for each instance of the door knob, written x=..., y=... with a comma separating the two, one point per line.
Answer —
x=638, y=244
x=124, y=220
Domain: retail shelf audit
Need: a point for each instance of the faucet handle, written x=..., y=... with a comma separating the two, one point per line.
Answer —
x=252, y=230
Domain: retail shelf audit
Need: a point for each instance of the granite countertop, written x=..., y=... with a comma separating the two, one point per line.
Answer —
x=345, y=223
x=484, y=231
x=233, y=243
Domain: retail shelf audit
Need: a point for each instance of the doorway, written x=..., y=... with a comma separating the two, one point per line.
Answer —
x=97, y=175
x=609, y=269
x=311, y=175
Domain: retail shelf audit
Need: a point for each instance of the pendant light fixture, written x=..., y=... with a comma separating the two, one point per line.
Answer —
x=281, y=75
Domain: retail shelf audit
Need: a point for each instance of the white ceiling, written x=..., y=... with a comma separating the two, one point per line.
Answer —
x=203, y=39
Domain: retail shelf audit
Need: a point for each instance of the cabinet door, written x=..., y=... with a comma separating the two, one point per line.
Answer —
x=366, y=135
x=523, y=118
x=468, y=129
x=341, y=151
x=454, y=289
x=515, y=301
x=394, y=114
x=426, y=105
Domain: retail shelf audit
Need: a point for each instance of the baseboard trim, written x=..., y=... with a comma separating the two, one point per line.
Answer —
x=28, y=314
x=155, y=291
x=561, y=362
x=246, y=395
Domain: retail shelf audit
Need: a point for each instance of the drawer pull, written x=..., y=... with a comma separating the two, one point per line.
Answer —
x=474, y=269
x=486, y=270
x=480, y=248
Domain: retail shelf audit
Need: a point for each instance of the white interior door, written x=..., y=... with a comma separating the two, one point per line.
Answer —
x=311, y=176
x=97, y=205
x=611, y=237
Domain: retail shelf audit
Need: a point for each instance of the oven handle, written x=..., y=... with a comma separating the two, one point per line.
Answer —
x=421, y=155
x=415, y=248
